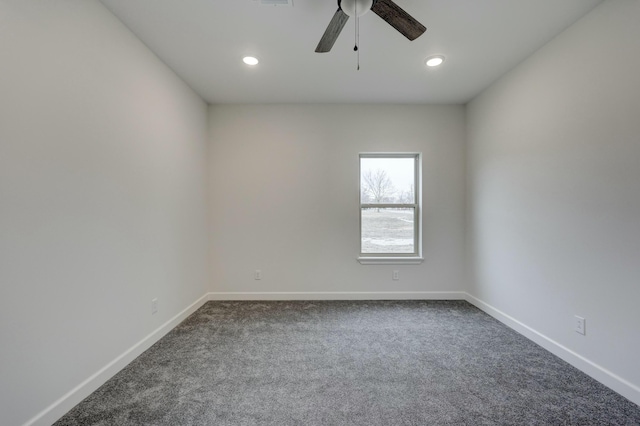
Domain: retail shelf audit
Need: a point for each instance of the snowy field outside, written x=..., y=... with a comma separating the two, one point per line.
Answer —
x=387, y=231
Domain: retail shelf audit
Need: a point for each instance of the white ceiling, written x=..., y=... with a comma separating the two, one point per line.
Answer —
x=204, y=41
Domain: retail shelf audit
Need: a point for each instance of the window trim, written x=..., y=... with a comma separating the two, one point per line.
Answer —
x=394, y=258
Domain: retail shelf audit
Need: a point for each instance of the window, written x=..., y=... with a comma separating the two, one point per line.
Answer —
x=390, y=208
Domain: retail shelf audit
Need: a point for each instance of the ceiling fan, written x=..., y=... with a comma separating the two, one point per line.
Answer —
x=386, y=9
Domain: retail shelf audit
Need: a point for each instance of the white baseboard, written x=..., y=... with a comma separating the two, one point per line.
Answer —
x=340, y=295
x=65, y=403
x=599, y=373
x=59, y=408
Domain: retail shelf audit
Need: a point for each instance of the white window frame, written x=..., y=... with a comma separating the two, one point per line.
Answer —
x=394, y=258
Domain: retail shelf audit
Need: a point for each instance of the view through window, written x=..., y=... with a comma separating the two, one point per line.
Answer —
x=389, y=205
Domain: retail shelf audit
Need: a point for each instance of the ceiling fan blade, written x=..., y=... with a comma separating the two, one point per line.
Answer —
x=398, y=19
x=332, y=32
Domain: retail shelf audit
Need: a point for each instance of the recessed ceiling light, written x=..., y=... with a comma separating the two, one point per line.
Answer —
x=434, y=61
x=250, y=60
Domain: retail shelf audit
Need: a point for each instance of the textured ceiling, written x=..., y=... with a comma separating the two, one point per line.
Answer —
x=204, y=41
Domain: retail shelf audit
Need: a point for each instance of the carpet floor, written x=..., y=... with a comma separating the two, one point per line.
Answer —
x=349, y=363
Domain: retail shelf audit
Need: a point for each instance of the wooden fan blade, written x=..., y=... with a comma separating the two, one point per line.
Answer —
x=332, y=32
x=398, y=19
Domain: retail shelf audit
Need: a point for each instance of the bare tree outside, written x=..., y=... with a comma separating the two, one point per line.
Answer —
x=406, y=196
x=377, y=185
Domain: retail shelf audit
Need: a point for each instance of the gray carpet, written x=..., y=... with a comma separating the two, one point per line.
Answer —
x=349, y=363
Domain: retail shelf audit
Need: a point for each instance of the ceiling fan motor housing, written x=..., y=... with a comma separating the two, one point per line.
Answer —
x=355, y=8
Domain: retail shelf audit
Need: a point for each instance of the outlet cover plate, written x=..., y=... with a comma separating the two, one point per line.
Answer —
x=580, y=325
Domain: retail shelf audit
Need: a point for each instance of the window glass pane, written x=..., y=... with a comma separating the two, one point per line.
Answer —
x=387, y=180
x=388, y=230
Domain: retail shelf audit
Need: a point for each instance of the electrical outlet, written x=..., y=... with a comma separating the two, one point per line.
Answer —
x=395, y=275
x=580, y=324
x=154, y=306
x=258, y=274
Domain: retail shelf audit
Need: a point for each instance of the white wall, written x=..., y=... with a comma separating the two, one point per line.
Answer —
x=554, y=172
x=284, y=186
x=102, y=198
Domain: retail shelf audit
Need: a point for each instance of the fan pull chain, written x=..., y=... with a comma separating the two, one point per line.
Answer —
x=357, y=36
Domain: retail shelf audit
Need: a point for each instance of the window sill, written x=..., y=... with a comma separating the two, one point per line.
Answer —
x=390, y=260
